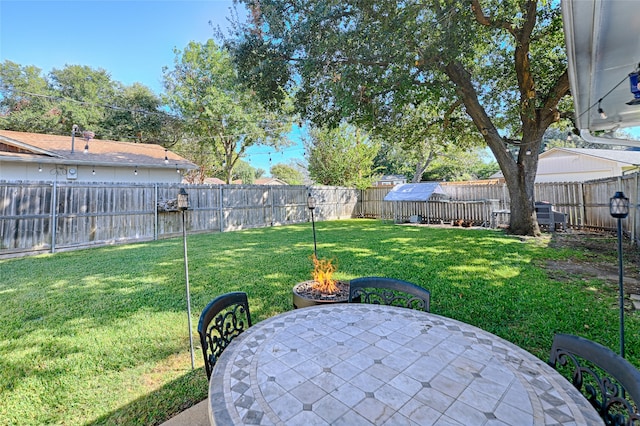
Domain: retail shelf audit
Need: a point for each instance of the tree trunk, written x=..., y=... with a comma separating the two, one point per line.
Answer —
x=520, y=172
x=421, y=166
x=522, y=220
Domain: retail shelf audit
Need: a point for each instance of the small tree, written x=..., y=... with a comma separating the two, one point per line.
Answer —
x=342, y=156
x=425, y=134
x=287, y=174
x=245, y=172
x=204, y=89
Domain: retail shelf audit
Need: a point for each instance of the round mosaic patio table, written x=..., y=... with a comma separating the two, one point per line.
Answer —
x=360, y=364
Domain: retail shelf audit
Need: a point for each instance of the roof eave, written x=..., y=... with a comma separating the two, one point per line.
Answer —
x=76, y=162
x=26, y=146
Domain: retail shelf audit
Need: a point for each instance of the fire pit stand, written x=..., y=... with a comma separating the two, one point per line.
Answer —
x=304, y=295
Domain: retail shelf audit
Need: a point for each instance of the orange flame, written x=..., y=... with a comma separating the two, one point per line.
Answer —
x=322, y=276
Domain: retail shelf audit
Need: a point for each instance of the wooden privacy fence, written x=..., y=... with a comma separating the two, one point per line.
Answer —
x=46, y=217
x=49, y=217
x=586, y=204
x=461, y=206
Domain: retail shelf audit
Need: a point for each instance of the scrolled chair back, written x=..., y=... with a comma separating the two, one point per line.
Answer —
x=223, y=319
x=389, y=291
x=608, y=381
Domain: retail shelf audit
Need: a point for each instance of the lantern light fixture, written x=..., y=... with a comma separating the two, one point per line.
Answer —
x=311, y=202
x=183, y=199
x=619, y=205
x=619, y=208
x=635, y=88
x=87, y=135
x=311, y=205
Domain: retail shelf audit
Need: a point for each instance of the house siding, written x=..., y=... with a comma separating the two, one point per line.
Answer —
x=29, y=172
x=565, y=167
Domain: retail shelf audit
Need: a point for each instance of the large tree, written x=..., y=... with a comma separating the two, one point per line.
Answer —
x=135, y=115
x=503, y=61
x=219, y=111
x=80, y=95
x=25, y=100
x=83, y=92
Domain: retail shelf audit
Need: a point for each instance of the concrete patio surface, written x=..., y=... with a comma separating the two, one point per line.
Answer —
x=197, y=415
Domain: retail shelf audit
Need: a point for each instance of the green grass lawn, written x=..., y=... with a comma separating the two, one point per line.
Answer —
x=100, y=336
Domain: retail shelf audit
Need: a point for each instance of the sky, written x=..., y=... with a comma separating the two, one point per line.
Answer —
x=131, y=40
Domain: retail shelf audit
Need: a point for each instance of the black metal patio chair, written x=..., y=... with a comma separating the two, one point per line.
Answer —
x=389, y=291
x=608, y=381
x=223, y=319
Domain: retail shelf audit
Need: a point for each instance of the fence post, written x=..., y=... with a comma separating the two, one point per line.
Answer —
x=582, y=208
x=155, y=212
x=220, y=208
x=54, y=216
x=271, y=202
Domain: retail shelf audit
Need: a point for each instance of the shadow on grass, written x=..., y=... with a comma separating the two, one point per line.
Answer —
x=89, y=323
x=152, y=409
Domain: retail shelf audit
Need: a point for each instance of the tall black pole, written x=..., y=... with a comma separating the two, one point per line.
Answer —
x=621, y=287
x=186, y=274
x=313, y=224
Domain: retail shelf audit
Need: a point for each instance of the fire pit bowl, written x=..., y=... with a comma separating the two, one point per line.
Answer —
x=304, y=295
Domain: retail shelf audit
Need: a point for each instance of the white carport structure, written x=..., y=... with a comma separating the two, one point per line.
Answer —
x=413, y=192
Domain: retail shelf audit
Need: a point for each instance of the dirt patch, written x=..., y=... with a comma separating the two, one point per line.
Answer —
x=598, y=258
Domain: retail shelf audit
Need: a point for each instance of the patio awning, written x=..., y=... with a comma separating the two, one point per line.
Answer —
x=415, y=192
x=603, y=48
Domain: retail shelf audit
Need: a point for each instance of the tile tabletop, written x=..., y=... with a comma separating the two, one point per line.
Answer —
x=360, y=364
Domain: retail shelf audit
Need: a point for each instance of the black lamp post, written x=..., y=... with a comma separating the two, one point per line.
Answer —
x=619, y=208
x=311, y=204
x=183, y=205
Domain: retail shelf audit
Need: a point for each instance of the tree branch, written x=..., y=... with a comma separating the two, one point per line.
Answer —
x=487, y=21
x=559, y=90
x=523, y=66
x=447, y=114
x=462, y=79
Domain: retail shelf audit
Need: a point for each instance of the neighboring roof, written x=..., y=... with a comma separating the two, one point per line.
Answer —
x=392, y=177
x=269, y=181
x=37, y=147
x=414, y=191
x=621, y=156
x=213, y=181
